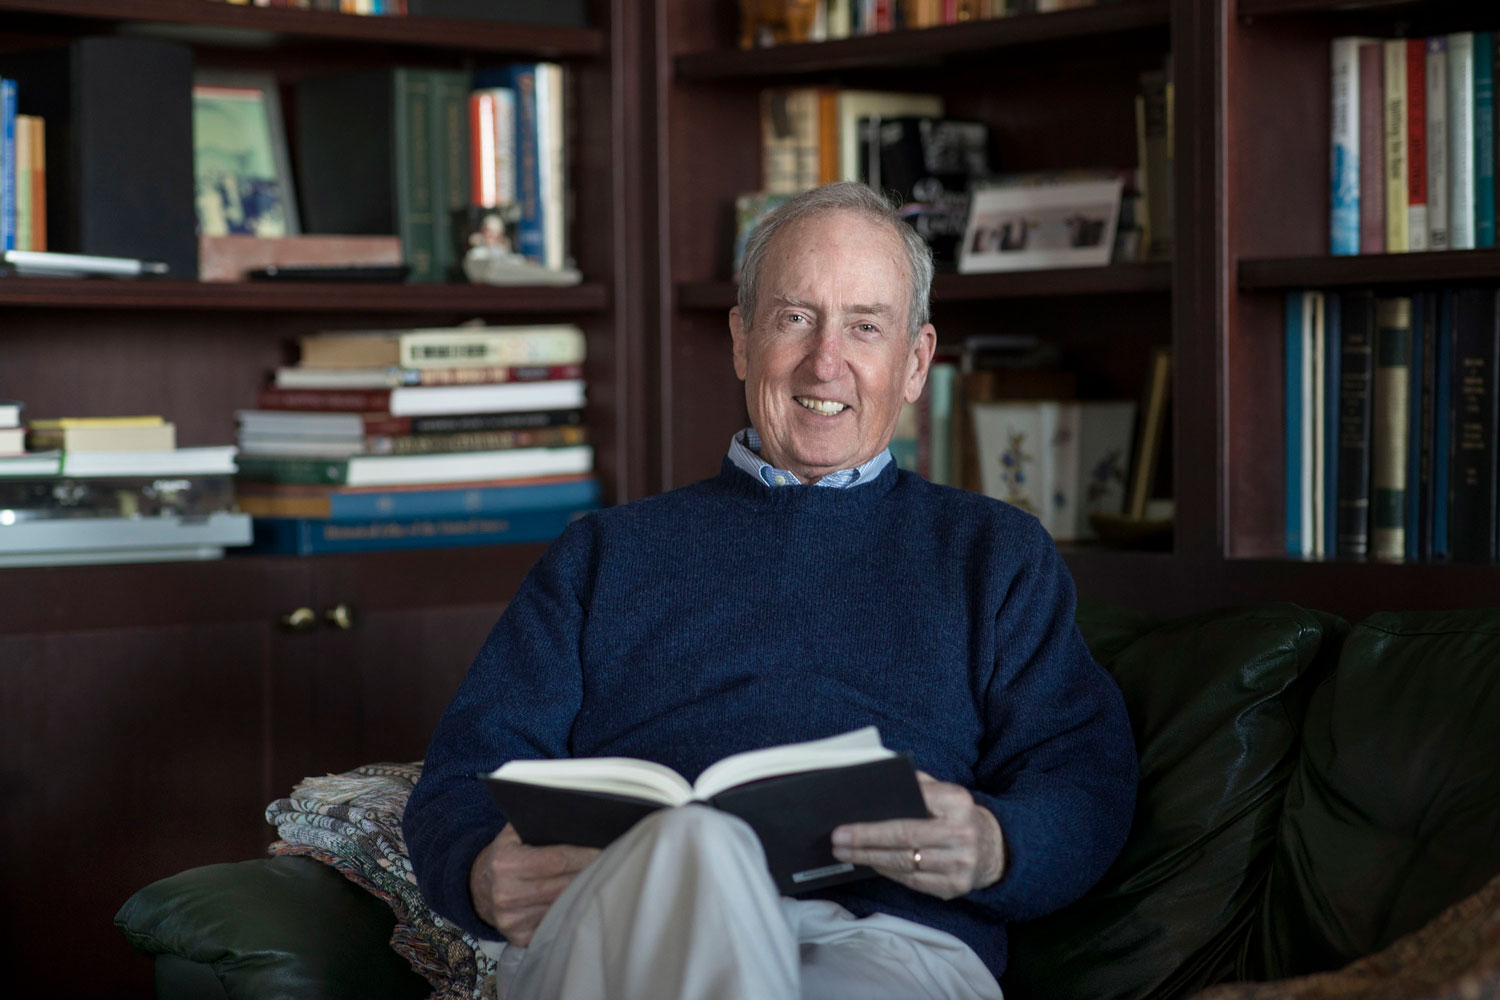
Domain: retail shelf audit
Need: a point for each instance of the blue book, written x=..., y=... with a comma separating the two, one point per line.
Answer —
x=1344, y=165
x=531, y=227
x=582, y=494
x=1414, y=430
x=1484, y=138
x=7, y=164
x=1442, y=424
x=1294, y=335
x=1333, y=350
x=311, y=536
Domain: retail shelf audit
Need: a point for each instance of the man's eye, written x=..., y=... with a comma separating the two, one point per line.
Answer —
x=795, y=318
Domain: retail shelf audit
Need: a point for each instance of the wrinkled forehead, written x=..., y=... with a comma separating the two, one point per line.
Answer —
x=864, y=256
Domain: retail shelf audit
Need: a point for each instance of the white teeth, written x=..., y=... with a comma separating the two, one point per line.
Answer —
x=827, y=407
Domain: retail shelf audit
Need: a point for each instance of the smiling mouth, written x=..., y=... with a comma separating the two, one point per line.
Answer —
x=826, y=407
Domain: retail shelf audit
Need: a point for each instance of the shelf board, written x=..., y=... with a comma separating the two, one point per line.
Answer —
x=1118, y=279
x=924, y=46
x=1369, y=269
x=108, y=293
x=254, y=26
x=1253, y=8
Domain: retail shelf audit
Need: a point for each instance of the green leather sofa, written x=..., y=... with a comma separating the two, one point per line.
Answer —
x=1311, y=793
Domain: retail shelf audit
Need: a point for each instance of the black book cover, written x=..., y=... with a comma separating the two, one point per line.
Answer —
x=346, y=152
x=930, y=164
x=1425, y=443
x=523, y=420
x=119, y=115
x=1357, y=340
x=793, y=815
x=1471, y=523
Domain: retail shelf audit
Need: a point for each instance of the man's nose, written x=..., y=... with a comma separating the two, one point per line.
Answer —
x=827, y=352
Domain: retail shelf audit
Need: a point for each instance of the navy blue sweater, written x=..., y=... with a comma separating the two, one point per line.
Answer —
x=729, y=615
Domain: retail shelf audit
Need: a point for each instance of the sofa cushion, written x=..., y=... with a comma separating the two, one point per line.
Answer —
x=1393, y=812
x=274, y=927
x=1213, y=700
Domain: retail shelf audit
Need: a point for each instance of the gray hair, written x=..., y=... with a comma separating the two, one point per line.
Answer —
x=846, y=196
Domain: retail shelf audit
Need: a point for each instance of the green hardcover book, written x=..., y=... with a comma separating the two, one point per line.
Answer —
x=1391, y=413
x=448, y=129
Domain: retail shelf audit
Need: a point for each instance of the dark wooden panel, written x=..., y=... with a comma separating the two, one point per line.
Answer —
x=1254, y=401
x=256, y=25
x=1443, y=267
x=931, y=46
x=299, y=296
x=129, y=755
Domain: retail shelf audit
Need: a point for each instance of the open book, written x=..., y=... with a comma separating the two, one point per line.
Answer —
x=792, y=796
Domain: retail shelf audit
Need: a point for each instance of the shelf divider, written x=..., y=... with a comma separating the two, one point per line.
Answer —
x=1265, y=274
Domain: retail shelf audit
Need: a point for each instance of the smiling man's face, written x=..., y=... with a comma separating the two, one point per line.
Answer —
x=829, y=360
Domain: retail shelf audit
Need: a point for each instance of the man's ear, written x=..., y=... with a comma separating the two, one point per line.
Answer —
x=920, y=360
x=737, y=333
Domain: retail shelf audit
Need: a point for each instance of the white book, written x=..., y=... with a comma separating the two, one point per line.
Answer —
x=1343, y=161
x=1461, y=140
x=550, y=144
x=215, y=460
x=10, y=413
x=467, y=466
x=30, y=465
x=270, y=446
x=1010, y=448
x=1437, y=143
x=98, y=557
x=74, y=534
x=504, y=397
x=1397, y=173
x=503, y=118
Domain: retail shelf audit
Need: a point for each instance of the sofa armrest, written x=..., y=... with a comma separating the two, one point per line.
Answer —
x=272, y=927
x=1455, y=957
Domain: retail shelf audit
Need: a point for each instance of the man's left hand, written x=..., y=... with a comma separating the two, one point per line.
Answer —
x=958, y=850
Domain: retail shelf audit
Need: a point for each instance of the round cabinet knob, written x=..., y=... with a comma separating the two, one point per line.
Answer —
x=300, y=620
x=340, y=616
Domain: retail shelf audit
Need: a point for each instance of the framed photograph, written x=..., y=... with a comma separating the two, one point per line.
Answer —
x=243, y=177
x=1046, y=224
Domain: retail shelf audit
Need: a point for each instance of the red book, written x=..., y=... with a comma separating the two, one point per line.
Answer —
x=1416, y=143
x=1372, y=147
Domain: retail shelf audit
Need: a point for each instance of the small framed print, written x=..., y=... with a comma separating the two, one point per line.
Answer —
x=243, y=176
x=1033, y=225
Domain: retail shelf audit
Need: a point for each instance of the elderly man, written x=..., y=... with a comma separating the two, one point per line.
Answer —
x=808, y=589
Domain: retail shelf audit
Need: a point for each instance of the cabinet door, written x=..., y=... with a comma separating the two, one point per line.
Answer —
x=126, y=755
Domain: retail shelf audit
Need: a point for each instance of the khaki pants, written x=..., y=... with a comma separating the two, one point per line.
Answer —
x=682, y=907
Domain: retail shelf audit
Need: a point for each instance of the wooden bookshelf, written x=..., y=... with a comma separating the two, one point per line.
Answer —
x=1407, y=269
x=250, y=25
x=176, y=701
x=300, y=296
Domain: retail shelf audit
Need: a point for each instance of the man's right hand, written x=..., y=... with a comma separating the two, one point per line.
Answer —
x=513, y=886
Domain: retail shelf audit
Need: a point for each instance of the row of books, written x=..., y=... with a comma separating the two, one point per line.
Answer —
x=453, y=162
x=417, y=438
x=23, y=174
x=570, y=12
x=1412, y=162
x=902, y=143
x=114, y=489
x=779, y=21
x=1391, y=424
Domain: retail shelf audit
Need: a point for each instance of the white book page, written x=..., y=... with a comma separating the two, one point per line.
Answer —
x=642, y=779
x=857, y=747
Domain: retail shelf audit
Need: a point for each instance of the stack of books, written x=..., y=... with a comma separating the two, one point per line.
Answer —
x=12, y=433
x=420, y=438
x=115, y=489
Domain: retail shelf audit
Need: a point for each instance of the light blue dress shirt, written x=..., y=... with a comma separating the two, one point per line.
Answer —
x=744, y=452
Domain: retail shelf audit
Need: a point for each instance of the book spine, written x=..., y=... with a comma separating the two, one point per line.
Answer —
x=1461, y=140
x=331, y=400
x=1356, y=346
x=20, y=168
x=579, y=494
x=557, y=345
x=1293, y=431
x=39, y=183
x=1437, y=143
x=414, y=207
x=290, y=470
x=308, y=536
x=1388, y=433
x=1484, y=139
x=1332, y=381
x=313, y=378
x=453, y=423
x=424, y=444
x=1442, y=423
x=449, y=140
x=1471, y=520
x=1312, y=514
x=483, y=190
x=1427, y=427
x=1414, y=393
x=7, y=164
x=1397, y=174
x=1344, y=165
x=1372, y=147
x=551, y=106
x=531, y=239
x=1416, y=144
